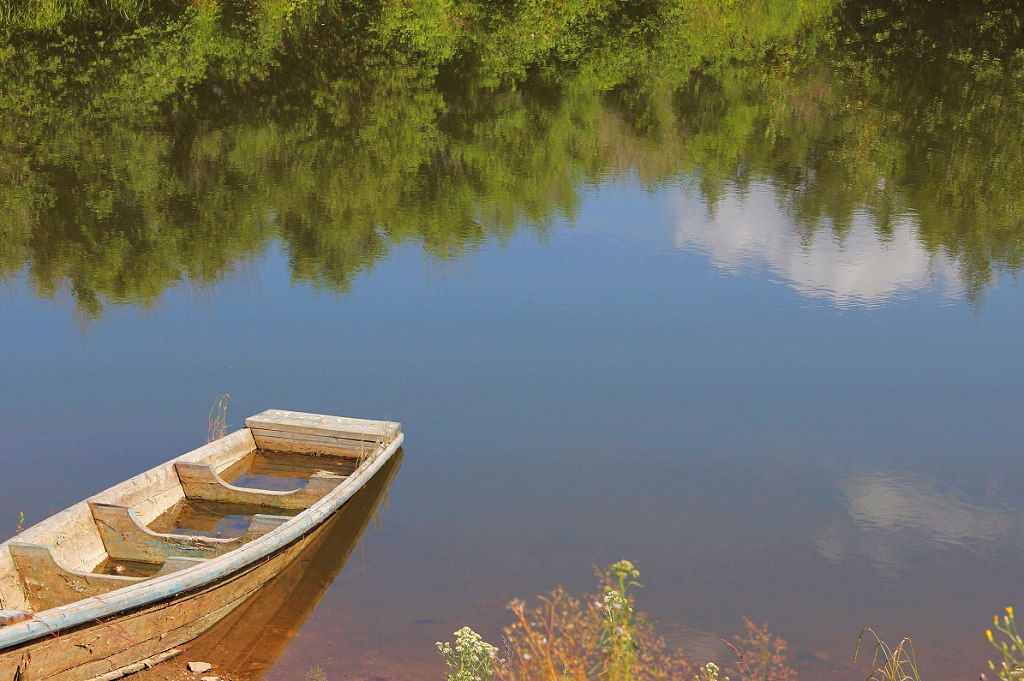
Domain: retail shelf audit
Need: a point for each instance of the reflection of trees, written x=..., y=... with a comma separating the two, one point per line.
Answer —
x=902, y=116
x=140, y=160
x=167, y=154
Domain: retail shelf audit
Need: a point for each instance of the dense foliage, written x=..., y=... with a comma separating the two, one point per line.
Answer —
x=170, y=145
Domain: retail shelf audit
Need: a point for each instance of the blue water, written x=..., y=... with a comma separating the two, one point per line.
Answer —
x=809, y=436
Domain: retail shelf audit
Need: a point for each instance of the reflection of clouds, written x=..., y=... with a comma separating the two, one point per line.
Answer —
x=861, y=268
x=945, y=516
x=897, y=517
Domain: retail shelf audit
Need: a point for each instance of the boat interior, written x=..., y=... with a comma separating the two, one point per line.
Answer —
x=185, y=512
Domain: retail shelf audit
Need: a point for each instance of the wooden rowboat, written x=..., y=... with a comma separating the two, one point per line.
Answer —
x=121, y=579
x=248, y=642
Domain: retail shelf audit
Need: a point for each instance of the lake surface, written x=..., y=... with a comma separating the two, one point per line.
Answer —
x=757, y=329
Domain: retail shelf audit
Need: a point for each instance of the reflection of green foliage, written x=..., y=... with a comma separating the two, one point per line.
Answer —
x=50, y=14
x=133, y=160
x=911, y=120
x=144, y=158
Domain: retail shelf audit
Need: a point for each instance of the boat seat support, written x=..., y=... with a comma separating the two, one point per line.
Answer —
x=125, y=538
x=200, y=481
x=48, y=584
x=175, y=563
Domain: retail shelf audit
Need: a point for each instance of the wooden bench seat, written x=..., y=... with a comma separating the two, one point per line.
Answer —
x=200, y=481
x=49, y=584
x=125, y=538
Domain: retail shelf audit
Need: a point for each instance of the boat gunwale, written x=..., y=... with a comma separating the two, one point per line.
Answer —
x=54, y=621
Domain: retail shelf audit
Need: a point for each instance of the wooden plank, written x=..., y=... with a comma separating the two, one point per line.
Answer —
x=74, y=542
x=262, y=523
x=320, y=424
x=262, y=437
x=130, y=669
x=298, y=464
x=222, y=453
x=13, y=616
x=196, y=516
x=175, y=563
x=49, y=585
x=126, y=539
x=294, y=421
x=348, y=449
x=353, y=441
x=200, y=482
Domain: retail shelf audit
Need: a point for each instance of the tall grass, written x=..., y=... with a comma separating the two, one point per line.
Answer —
x=899, y=663
x=218, y=418
x=889, y=663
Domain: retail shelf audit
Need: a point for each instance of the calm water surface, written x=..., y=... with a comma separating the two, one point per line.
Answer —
x=762, y=442
x=768, y=348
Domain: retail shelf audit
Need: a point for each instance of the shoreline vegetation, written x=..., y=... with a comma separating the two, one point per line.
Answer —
x=151, y=145
x=603, y=636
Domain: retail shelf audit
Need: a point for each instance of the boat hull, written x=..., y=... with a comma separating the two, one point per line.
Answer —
x=93, y=650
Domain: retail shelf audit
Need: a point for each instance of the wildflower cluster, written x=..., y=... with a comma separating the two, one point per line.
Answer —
x=613, y=603
x=624, y=570
x=709, y=672
x=473, y=659
x=617, y=637
x=1011, y=668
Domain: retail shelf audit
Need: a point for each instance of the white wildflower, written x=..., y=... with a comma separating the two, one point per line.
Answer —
x=472, y=660
x=709, y=672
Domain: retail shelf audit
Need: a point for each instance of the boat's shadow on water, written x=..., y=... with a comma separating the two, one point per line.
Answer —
x=246, y=644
